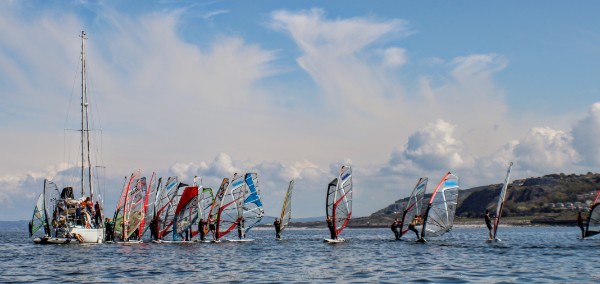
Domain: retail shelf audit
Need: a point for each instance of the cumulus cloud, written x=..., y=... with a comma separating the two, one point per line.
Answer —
x=546, y=149
x=434, y=148
x=586, y=134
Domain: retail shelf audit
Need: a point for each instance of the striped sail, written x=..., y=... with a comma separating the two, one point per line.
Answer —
x=338, y=204
x=414, y=206
x=252, y=208
x=230, y=210
x=213, y=216
x=439, y=216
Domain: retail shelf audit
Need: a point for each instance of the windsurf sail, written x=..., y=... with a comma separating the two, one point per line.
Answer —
x=167, y=202
x=439, y=216
x=147, y=207
x=134, y=215
x=501, y=201
x=338, y=204
x=205, y=203
x=230, y=211
x=593, y=225
x=286, y=209
x=39, y=219
x=414, y=206
x=213, y=215
x=152, y=194
x=121, y=210
x=186, y=213
x=252, y=207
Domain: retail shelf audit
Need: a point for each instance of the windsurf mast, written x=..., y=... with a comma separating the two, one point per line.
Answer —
x=501, y=200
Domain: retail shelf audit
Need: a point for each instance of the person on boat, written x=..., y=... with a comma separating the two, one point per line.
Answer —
x=331, y=227
x=415, y=221
x=97, y=214
x=78, y=214
x=277, y=226
x=580, y=224
x=240, y=225
x=89, y=205
x=201, y=227
x=394, y=228
x=488, y=223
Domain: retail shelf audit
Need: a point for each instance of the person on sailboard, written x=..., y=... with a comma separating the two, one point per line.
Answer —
x=488, y=223
x=331, y=227
x=277, y=226
x=212, y=227
x=415, y=221
x=201, y=227
x=240, y=225
x=394, y=228
x=153, y=229
x=580, y=224
x=109, y=226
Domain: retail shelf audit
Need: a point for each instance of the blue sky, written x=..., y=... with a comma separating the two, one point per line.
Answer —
x=293, y=89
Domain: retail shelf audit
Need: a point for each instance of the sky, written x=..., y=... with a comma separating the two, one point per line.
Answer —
x=294, y=89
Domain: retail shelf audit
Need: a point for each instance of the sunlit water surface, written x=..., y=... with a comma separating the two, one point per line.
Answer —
x=532, y=254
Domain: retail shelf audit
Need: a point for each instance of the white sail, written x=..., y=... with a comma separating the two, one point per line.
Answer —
x=439, y=216
x=338, y=205
x=593, y=225
x=286, y=209
x=501, y=201
x=252, y=207
x=230, y=209
x=414, y=206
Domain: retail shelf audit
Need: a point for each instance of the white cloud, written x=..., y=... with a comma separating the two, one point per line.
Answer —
x=394, y=57
x=586, y=137
x=546, y=150
x=435, y=148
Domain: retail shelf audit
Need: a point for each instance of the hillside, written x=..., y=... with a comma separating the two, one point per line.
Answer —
x=553, y=199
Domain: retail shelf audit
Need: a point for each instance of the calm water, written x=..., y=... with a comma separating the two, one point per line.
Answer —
x=533, y=254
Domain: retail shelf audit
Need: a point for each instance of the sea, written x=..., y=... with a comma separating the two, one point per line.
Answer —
x=524, y=254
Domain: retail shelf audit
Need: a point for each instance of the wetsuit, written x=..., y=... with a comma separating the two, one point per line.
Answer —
x=201, y=226
x=394, y=228
x=411, y=227
x=277, y=226
x=488, y=222
x=580, y=224
x=331, y=229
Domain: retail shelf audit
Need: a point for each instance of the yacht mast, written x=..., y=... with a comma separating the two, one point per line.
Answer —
x=85, y=130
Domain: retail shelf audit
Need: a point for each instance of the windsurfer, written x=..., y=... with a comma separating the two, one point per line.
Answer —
x=109, y=226
x=212, y=227
x=580, y=224
x=415, y=221
x=240, y=225
x=154, y=228
x=394, y=228
x=201, y=227
x=488, y=223
x=331, y=227
x=277, y=226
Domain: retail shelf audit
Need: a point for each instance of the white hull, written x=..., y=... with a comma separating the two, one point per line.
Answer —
x=92, y=235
